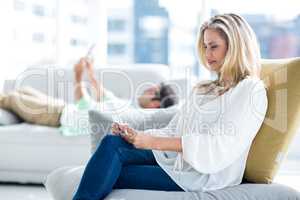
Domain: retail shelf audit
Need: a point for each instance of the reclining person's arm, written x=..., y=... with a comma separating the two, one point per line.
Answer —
x=98, y=88
x=78, y=71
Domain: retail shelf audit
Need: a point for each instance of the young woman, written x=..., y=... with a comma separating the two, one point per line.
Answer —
x=205, y=146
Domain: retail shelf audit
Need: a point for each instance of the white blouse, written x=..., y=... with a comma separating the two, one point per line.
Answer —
x=216, y=134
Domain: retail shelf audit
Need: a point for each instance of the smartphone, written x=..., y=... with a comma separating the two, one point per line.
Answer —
x=90, y=51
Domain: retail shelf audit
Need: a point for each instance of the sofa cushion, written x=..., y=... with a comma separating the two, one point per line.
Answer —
x=8, y=118
x=32, y=149
x=282, y=119
x=63, y=182
x=139, y=119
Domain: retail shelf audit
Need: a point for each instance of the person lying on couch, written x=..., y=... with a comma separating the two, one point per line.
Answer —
x=206, y=144
x=36, y=107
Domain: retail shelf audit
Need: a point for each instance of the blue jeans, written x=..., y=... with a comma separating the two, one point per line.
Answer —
x=116, y=164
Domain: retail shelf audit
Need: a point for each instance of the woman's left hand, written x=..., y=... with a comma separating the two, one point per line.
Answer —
x=137, y=139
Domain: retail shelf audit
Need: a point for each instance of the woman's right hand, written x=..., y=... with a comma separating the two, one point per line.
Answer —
x=118, y=128
x=115, y=129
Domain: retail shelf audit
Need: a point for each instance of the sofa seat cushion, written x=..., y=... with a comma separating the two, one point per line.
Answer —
x=63, y=182
x=25, y=146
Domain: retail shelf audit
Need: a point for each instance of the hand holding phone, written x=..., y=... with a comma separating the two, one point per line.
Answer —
x=119, y=128
x=90, y=51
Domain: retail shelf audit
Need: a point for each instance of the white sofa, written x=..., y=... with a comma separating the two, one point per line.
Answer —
x=30, y=152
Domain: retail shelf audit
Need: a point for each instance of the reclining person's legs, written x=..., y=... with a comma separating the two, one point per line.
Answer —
x=32, y=109
x=40, y=96
x=32, y=92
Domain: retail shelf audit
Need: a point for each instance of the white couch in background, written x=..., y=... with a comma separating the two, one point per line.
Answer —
x=29, y=152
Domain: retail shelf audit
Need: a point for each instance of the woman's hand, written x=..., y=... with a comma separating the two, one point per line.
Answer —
x=143, y=141
x=115, y=129
x=137, y=139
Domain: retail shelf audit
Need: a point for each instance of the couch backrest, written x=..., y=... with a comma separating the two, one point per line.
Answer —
x=124, y=81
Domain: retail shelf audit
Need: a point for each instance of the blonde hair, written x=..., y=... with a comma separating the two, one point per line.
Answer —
x=242, y=57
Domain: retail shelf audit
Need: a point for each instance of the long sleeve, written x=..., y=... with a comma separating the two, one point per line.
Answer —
x=223, y=129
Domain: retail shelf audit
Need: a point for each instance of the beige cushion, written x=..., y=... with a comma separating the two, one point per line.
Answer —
x=282, y=119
